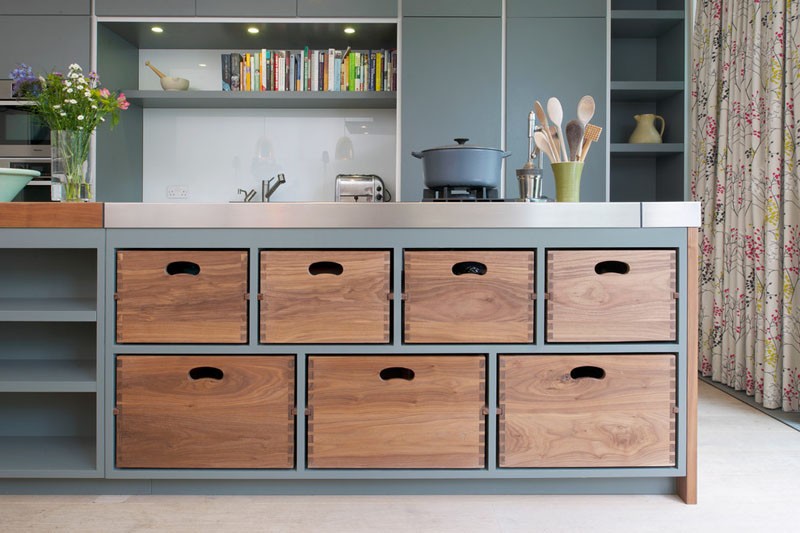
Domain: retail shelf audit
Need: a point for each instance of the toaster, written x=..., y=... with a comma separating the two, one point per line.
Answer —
x=361, y=188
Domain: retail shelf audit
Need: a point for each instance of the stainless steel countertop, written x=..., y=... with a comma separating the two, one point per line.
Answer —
x=404, y=215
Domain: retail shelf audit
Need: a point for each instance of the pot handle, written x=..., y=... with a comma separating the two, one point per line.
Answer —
x=506, y=154
x=418, y=155
x=461, y=140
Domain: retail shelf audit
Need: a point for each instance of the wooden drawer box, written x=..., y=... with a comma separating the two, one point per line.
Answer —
x=205, y=411
x=469, y=296
x=396, y=411
x=325, y=296
x=181, y=296
x=587, y=411
x=611, y=295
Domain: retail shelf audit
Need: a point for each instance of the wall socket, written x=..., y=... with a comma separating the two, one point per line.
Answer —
x=177, y=192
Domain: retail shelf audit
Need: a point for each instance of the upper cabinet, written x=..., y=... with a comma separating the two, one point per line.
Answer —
x=452, y=8
x=345, y=8
x=648, y=77
x=59, y=42
x=246, y=8
x=451, y=87
x=562, y=8
x=47, y=7
x=146, y=8
x=575, y=67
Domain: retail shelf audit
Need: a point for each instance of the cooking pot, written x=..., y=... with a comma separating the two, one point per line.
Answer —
x=461, y=165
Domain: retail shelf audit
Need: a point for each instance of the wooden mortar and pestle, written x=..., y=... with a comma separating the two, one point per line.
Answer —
x=168, y=83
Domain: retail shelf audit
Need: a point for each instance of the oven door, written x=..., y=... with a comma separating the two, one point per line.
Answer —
x=22, y=133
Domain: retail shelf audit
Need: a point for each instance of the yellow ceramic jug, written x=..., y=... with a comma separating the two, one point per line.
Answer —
x=645, y=132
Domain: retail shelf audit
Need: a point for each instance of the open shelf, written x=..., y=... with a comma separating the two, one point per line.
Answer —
x=645, y=150
x=637, y=91
x=47, y=375
x=643, y=23
x=47, y=457
x=48, y=309
x=266, y=99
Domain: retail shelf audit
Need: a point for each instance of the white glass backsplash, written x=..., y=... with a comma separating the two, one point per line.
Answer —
x=211, y=153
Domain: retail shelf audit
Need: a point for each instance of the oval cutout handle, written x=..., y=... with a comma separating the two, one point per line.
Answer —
x=325, y=267
x=397, y=372
x=583, y=372
x=206, y=372
x=469, y=267
x=183, y=267
x=612, y=267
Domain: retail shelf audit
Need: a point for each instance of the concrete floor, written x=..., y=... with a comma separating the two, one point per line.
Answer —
x=749, y=480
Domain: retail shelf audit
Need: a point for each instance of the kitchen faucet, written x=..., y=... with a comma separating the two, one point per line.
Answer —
x=268, y=189
x=248, y=195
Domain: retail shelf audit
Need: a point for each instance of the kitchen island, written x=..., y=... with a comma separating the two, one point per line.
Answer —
x=395, y=348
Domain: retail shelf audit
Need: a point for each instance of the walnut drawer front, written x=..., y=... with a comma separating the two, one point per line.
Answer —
x=325, y=296
x=587, y=411
x=182, y=296
x=396, y=411
x=205, y=411
x=611, y=295
x=469, y=296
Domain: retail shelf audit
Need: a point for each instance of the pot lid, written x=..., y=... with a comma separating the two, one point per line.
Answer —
x=461, y=145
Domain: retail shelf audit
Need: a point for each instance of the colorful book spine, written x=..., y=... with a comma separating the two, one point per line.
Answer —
x=225, y=65
x=236, y=62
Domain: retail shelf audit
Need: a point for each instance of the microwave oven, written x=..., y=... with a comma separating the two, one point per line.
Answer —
x=25, y=143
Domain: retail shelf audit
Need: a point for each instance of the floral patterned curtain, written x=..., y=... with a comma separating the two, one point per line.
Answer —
x=745, y=81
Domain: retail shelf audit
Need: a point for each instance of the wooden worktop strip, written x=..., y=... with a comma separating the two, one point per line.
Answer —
x=51, y=215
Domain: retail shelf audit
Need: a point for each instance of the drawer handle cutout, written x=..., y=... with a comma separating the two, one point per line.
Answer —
x=594, y=372
x=325, y=267
x=612, y=267
x=397, y=372
x=469, y=267
x=183, y=267
x=206, y=372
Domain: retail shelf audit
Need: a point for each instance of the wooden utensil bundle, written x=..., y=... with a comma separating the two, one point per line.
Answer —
x=579, y=133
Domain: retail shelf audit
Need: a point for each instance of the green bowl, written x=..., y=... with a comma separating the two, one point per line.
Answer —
x=13, y=180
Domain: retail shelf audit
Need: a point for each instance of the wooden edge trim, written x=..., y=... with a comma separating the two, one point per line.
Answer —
x=687, y=485
x=52, y=215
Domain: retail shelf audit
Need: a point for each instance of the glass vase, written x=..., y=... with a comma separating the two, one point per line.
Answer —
x=70, y=166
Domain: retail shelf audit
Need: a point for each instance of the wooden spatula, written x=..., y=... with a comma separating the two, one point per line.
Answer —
x=590, y=135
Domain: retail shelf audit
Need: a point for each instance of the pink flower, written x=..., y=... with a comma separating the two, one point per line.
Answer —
x=123, y=102
x=104, y=92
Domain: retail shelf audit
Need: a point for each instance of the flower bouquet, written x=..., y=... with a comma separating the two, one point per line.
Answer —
x=72, y=106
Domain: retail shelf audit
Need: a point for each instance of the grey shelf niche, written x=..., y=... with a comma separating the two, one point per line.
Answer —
x=120, y=154
x=249, y=100
x=50, y=300
x=648, y=43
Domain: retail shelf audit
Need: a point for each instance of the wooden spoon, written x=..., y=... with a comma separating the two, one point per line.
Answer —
x=540, y=138
x=160, y=74
x=556, y=114
x=586, y=110
x=574, y=132
x=540, y=114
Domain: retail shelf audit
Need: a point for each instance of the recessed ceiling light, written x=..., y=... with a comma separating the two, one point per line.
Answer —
x=157, y=29
x=201, y=65
x=252, y=30
x=349, y=30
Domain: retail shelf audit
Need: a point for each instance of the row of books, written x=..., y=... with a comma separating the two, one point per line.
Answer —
x=310, y=70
